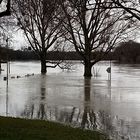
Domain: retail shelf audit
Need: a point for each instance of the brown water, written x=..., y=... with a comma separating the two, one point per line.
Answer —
x=65, y=96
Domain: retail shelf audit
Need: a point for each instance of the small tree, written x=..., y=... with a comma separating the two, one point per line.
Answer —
x=37, y=19
x=93, y=26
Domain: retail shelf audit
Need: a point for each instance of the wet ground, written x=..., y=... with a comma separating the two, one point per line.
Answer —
x=66, y=96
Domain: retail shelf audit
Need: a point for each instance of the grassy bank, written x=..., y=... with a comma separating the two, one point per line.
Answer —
x=20, y=129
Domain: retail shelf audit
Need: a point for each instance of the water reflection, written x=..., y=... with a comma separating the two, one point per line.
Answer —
x=7, y=101
x=86, y=117
x=37, y=110
x=112, y=107
x=41, y=111
x=81, y=117
x=89, y=117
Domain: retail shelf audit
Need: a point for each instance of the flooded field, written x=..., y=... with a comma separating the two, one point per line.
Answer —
x=65, y=96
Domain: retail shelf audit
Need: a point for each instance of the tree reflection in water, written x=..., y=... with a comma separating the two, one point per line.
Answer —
x=84, y=117
x=89, y=117
x=41, y=114
x=31, y=110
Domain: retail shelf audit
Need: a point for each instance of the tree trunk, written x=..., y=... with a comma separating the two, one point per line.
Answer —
x=43, y=66
x=43, y=62
x=87, y=69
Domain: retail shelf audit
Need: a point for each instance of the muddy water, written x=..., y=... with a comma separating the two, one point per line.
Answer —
x=66, y=96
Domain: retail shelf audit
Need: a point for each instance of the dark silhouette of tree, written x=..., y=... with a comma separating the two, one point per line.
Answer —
x=131, y=7
x=6, y=12
x=92, y=28
x=128, y=52
x=37, y=19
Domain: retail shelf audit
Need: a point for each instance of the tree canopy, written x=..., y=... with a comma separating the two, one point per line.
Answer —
x=129, y=6
x=93, y=26
x=37, y=19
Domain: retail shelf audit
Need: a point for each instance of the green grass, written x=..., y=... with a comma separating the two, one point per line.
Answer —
x=21, y=129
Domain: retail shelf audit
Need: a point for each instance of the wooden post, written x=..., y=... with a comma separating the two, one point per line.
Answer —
x=7, y=63
x=0, y=66
x=110, y=70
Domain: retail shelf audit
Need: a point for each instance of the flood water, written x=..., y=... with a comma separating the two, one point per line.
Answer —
x=65, y=96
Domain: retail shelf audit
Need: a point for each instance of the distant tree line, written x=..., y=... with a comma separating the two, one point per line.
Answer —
x=52, y=55
x=126, y=52
x=30, y=55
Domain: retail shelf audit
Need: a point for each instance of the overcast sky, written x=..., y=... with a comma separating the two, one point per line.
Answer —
x=18, y=40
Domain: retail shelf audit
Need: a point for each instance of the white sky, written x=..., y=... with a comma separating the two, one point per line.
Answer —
x=19, y=40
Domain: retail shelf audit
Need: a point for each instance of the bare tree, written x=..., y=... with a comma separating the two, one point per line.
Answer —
x=37, y=18
x=131, y=7
x=92, y=28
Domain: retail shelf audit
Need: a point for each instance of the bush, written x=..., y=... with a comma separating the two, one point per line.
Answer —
x=128, y=52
